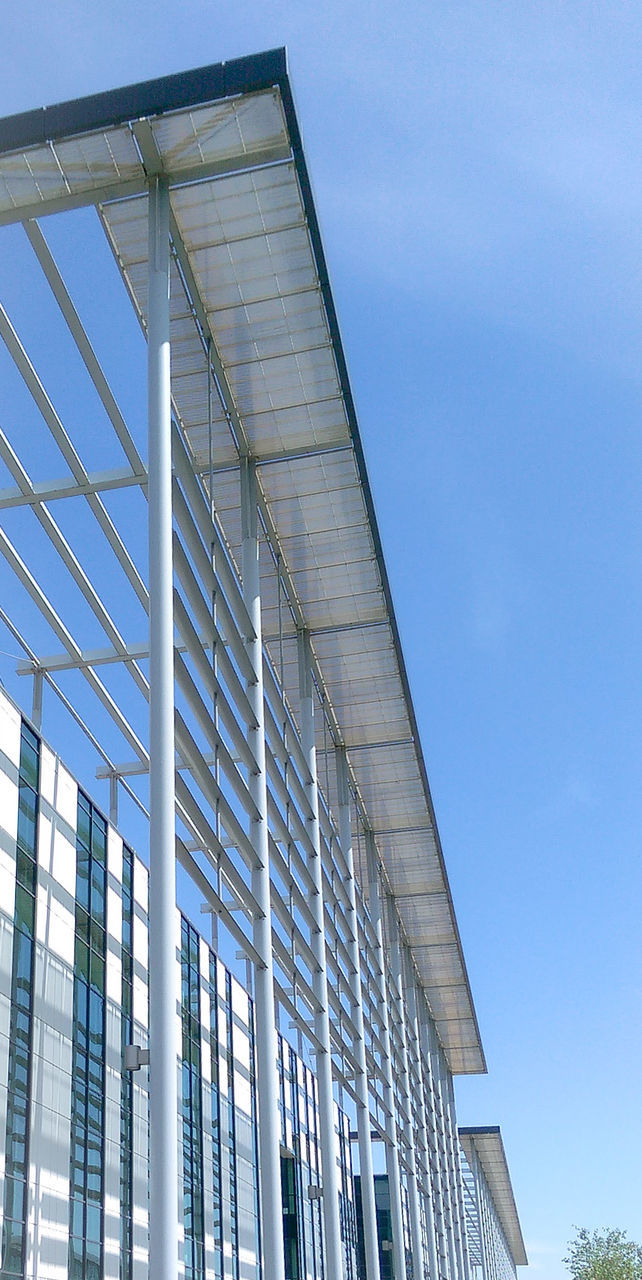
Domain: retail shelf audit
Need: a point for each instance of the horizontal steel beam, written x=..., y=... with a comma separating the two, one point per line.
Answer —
x=92, y=658
x=337, y=630
x=52, y=490
x=281, y=455
x=119, y=190
x=86, y=658
x=135, y=768
x=404, y=831
x=377, y=746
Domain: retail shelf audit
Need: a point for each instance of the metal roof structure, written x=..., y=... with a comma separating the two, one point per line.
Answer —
x=489, y=1147
x=250, y=288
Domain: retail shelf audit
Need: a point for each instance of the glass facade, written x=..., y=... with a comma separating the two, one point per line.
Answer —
x=192, y=1105
x=103, y=1113
x=127, y=1084
x=384, y=1226
x=300, y=1166
x=215, y=1101
x=86, y=1201
x=236, y=1125
x=16, y=1181
x=291, y=1217
x=346, y=1201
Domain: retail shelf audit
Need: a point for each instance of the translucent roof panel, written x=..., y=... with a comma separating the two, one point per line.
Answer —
x=70, y=168
x=250, y=286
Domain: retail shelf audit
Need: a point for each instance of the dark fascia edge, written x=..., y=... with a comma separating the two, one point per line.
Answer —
x=479, y=1131
x=251, y=74
x=149, y=98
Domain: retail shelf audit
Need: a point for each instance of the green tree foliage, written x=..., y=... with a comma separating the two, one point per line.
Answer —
x=606, y=1255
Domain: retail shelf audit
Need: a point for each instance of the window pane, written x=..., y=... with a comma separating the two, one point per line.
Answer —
x=76, y=1264
x=98, y=837
x=29, y=747
x=24, y=911
x=93, y=1230
x=97, y=970
x=82, y=879
x=27, y=811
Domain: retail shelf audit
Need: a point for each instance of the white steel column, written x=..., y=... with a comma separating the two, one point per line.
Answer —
x=267, y=1080
x=438, y=1190
x=392, y=1150
x=415, y=1048
x=368, y=1202
x=480, y=1223
x=452, y=1151
x=329, y=1174
x=459, y=1189
x=487, y=1250
x=163, y=1041
x=447, y=1198
x=394, y=942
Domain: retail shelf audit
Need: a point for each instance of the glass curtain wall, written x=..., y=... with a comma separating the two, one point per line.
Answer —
x=86, y=1203
x=127, y=1083
x=234, y=1134
x=347, y=1200
x=192, y=1105
x=232, y=1223
x=300, y=1167
x=15, y=1189
x=217, y=1224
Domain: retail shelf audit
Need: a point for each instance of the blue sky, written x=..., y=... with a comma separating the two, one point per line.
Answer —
x=478, y=177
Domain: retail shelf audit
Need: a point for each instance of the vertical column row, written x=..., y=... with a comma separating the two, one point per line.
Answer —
x=394, y=944
x=445, y=1178
x=163, y=1047
x=330, y=1181
x=481, y=1216
x=453, y=1165
x=368, y=1204
x=392, y=1149
x=266, y=1038
x=460, y=1220
x=414, y=1046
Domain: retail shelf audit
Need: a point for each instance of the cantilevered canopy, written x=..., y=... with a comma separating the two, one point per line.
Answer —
x=487, y=1143
x=247, y=253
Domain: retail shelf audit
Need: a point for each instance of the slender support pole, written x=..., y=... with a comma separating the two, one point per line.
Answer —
x=36, y=705
x=488, y=1260
x=368, y=1202
x=446, y=1182
x=457, y=1174
x=414, y=1044
x=452, y=1156
x=163, y=1039
x=328, y=1140
x=392, y=1150
x=416, y=1236
x=476, y=1169
x=433, y=1138
x=269, y=1125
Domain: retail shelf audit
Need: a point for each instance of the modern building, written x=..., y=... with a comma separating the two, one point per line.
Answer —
x=211, y=610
